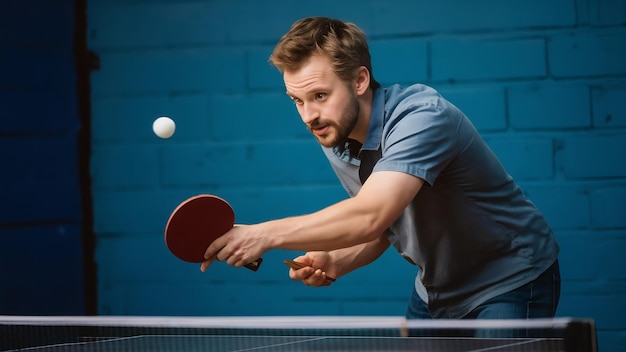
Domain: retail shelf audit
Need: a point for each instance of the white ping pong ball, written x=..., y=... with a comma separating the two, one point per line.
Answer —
x=164, y=127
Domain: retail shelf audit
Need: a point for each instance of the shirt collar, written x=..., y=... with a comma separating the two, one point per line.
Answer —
x=375, y=129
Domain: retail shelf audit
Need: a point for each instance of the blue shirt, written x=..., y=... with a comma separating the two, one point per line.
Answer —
x=470, y=229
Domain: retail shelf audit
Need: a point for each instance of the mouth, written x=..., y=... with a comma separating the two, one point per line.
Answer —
x=320, y=130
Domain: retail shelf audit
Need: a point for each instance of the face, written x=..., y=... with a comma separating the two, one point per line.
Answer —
x=327, y=105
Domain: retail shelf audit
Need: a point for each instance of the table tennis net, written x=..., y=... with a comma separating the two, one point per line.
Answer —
x=311, y=333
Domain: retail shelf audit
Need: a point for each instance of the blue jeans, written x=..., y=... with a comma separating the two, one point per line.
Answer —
x=537, y=299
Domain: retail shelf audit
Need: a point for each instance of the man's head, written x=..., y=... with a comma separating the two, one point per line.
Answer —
x=343, y=43
x=327, y=70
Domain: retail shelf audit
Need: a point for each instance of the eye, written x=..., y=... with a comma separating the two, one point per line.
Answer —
x=320, y=96
x=296, y=101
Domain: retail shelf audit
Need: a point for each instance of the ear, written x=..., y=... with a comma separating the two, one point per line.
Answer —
x=362, y=82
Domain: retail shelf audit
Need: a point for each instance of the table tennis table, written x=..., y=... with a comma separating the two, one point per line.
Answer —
x=222, y=343
x=221, y=334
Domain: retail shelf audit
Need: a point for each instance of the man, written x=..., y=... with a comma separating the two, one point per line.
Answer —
x=419, y=178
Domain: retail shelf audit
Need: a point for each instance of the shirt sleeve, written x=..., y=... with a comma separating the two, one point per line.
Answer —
x=419, y=138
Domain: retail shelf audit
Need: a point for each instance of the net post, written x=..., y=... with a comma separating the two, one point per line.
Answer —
x=580, y=336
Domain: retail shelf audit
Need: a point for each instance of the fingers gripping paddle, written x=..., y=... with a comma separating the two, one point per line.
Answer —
x=196, y=223
x=297, y=265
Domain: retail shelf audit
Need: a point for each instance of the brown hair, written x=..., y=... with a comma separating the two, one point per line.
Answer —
x=343, y=43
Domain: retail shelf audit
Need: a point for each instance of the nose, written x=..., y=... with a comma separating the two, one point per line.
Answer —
x=308, y=113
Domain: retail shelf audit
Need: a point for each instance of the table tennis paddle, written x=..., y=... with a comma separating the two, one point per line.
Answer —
x=297, y=265
x=196, y=223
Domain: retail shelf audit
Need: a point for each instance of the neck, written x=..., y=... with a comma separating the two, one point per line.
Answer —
x=365, y=109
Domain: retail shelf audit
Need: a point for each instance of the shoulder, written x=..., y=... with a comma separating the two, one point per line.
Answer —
x=414, y=96
x=415, y=108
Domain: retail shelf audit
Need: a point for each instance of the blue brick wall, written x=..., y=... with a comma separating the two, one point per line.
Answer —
x=544, y=82
x=41, y=213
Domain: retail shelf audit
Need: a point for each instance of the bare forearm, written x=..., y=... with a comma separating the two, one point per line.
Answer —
x=346, y=260
x=351, y=222
x=341, y=225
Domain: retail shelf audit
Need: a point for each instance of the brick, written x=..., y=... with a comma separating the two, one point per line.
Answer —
x=152, y=25
x=389, y=267
x=595, y=287
x=258, y=116
x=224, y=23
x=224, y=299
x=171, y=72
x=257, y=204
x=125, y=258
x=612, y=247
x=254, y=22
x=47, y=257
x=607, y=104
x=39, y=158
x=126, y=273
x=608, y=13
x=129, y=119
x=122, y=260
x=549, y=106
x=403, y=61
x=44, y=200
x=583, y=14
x=486, y=59
x=484, y=106
x=607, y=207
x=587, y=55
x=143, y=211
x=450, y=15
x=256, y=164
x=38, y=24
x=140, y=211
x=530, y=158
x=280, y=299
x=121, y=166
x=593, y=156
x=384, y=306
x=261, y=74
x=611, y=340
x=131, y=211
x=598, y=247
x=115, y=208
x=251, y=21
x=595, y=306
x=572, y=249
x=564, y=207
x=379, y=290
x=220, y=299
x=54, y=112
x=23, y=69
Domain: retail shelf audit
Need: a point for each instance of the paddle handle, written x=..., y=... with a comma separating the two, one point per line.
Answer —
x=254, y=266
x=297, y=265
